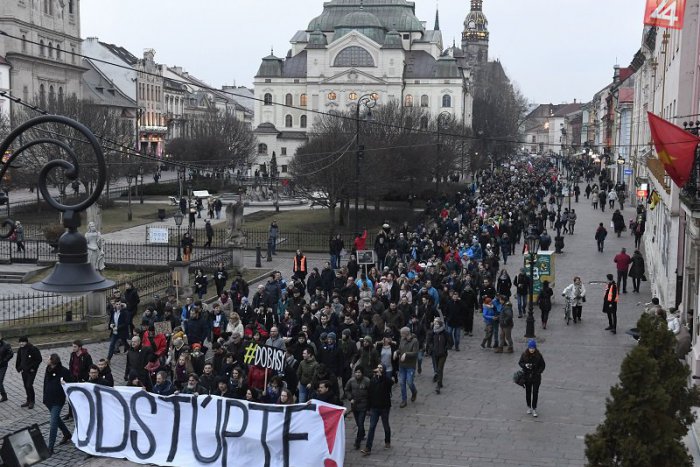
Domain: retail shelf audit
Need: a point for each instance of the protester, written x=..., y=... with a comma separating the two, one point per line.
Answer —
x=6, y=354
x=55, y=399
x=27, y=362
x=379, y=404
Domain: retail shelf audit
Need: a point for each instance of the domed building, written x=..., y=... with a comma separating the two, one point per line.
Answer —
x=358, y=47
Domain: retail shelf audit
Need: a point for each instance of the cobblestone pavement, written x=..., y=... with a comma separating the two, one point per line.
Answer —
x=479, y=420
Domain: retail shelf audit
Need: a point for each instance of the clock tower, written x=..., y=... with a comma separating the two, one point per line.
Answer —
x=475, y=38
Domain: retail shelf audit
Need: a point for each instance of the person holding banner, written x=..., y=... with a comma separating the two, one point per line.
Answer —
x=55, y=399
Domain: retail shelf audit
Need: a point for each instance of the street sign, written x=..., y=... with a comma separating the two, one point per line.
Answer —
x=628, y=171
x=157, y=235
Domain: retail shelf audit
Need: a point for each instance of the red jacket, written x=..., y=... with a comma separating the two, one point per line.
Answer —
x=160, y=340
x=256, y=377
x=360, y=241
x=623, y=261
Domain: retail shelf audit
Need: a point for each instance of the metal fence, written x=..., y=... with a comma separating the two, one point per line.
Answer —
x=35, y=309
x=149, y=284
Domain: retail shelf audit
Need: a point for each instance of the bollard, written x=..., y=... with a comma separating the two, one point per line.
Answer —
x=269, y=251
x=258, y=256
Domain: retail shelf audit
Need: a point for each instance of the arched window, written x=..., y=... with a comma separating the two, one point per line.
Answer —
x=24, y=43
x=58, y=51
x=354, y=56
x=42, y=48
x=60, y=95
x=408, y=101
x=446, y=100
x=42, y=95
x=267, y=99
x=302, y=121
x=303, y=100
x=50, y=49
x=52, y=95
x=262, y=148
x=289, y=100
x=424, y=101
x=288, y=121
x=424, y=122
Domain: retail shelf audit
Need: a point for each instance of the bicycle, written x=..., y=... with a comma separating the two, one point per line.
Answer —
x=567, y=311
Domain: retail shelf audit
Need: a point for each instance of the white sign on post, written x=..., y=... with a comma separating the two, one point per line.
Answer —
x=157, y=235
x=128, y=422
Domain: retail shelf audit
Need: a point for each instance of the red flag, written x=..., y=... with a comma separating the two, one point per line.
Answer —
x=675, y=147
x=665, y=13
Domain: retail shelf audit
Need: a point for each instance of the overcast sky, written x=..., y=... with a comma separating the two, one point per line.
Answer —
x=554, y=50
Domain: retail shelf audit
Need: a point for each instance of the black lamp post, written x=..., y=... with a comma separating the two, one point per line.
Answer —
x=443, y=115
x=533, y=244
x=559, y=240
x=368, y=101
x=73, y=274
x=178, y=221
x=129, y=179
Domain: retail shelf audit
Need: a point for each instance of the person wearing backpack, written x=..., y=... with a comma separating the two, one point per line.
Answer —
x=6, y=354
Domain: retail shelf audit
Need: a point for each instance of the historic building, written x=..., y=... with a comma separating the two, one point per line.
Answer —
x=42, y=66
x=360, y=47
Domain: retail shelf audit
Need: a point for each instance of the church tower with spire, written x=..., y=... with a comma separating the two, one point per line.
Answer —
x=475, y=38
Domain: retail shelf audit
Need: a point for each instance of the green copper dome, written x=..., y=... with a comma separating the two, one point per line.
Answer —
x=392, y=14
x=363, y=22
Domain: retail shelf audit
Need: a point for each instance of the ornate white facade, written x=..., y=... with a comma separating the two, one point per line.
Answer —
x=355, y=48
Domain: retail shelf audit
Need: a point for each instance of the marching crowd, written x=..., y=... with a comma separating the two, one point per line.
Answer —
x=351, y=331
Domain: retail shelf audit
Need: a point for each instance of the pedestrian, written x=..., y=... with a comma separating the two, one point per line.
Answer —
x=220, y=279
x=610, y=300
x=544, y=301
x=575, y=294
x=622, y=260
x=594, y=201
x=636, y=271
x=6, y=354
x=210, y=208
x=335, y=247
x=79, y=367
x=379, y=405
x=488, y=312
x=136, y=359
x=192, y=216
x=505, y=328
x=437, y=343
x=55, y=399
x=600, y=234
x=187, y=243
x=602, y=197
x=132, y=300
x=577, y=192
x=357, y=391
x=407, y=356
x=201, y=282
x=209, y=230
x=305, y=373
x=273, y=233
x=532, y=364
x=19, y=236
x=118, y=328
x=522, y=286
x=299, y=266
x=572, y=221
x=27, y=362
x=217, y=207
x=612, y=198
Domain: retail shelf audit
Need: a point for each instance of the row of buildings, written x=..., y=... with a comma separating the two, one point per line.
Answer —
x=43, y=59
x=663, y=77
x=353, y=48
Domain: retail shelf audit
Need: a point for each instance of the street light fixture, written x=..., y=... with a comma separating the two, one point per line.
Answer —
x=178, y=221
x=129, y=179
x=73, y=274
x=369, y=101
x=533, y=244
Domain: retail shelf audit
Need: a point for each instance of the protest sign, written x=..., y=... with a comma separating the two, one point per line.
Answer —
x=264, y=356
x=127, y=422
x=163, y=327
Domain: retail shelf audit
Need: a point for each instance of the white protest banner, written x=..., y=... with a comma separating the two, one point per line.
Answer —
x=126, y=422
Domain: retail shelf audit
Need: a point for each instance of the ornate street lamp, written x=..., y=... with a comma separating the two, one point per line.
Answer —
x=73, y=274
x=140, y=180
x=178, y=221
x=369, y=101
x=533, y=244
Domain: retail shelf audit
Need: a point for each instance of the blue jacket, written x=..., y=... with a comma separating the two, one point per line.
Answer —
x=489, y=313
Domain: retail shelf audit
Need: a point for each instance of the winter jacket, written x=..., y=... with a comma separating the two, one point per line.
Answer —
x=79, y=365
x=358, y=392
x=28, y=358
x=53, y=391
x=637, y=266
x=438, y=342
x=410, y=349
x=533, y=366
x=306, y=370
x=379, y=392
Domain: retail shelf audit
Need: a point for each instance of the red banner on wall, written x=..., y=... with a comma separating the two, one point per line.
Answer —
x=665, y=13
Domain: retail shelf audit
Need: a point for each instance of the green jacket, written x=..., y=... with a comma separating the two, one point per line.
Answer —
x=410, y=348
x=306, y=370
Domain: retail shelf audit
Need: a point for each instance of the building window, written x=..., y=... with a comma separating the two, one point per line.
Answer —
x=302, y=100
x=50, y=49
x=424, y=123
x=60, y=95
x=25, y=94
x=42, y=95
x=268, y=99
x=289, y=100
x=424, y=101
x=408, y=101
x=262, y=148
x=58, y=51
x=353, y=56
x=24, y=42
x=72, y=55
x=284, y=169
x=446, y=101
x=46, y=7
x=70, y=6
x=42, y=48
x=288, y=121
x=283, y=151
x=302, y=121
x=52, y=95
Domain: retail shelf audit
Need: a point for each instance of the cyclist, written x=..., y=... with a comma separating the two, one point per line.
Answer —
x=575, y=295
